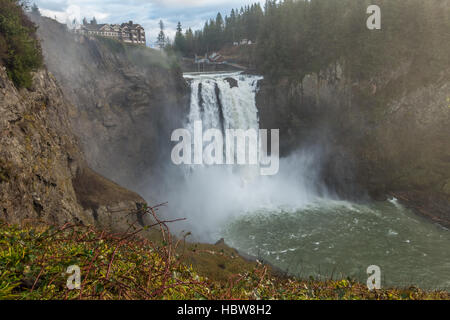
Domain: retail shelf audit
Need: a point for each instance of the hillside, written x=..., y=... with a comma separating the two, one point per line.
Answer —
x=43, y=172
x=116, y=266
x=381, y=138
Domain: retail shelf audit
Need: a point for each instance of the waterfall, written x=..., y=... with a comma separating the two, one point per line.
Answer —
x=226, y=101
x=209, y=196
x=223, y=101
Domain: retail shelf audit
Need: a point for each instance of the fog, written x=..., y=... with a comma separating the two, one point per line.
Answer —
x=210, y=196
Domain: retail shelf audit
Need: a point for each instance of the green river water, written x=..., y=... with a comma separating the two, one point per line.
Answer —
x=336, y=239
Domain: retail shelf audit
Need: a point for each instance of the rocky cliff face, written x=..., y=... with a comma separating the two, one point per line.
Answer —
x=127, y=101
x=387, y=137
x=43, y=174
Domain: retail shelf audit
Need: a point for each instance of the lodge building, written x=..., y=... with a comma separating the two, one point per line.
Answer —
x=125, y=32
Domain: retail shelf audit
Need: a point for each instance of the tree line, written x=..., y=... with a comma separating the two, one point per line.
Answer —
x=241, y=24
x=295, y=38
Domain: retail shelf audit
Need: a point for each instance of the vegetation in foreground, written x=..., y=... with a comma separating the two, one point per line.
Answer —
x=34, y=261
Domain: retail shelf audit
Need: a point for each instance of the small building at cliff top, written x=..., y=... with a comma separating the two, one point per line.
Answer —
x=126, y=32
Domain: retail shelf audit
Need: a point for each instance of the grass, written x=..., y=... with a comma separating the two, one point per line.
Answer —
x=34, y=261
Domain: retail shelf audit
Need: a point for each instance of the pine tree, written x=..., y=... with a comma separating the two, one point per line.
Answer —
x=296, y=38
x=189, y=36
x=161, y=41
x=180, y=40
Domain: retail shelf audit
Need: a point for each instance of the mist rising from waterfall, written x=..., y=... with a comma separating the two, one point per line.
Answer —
x=209, y=196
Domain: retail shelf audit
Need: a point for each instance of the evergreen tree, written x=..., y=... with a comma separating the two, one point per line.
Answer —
x=161, y=41
x=180, y=40
x=296, y=38
x=20, y=51
x=189, y=49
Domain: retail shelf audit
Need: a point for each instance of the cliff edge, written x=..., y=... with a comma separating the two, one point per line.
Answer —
x=43, y=174
x=127, y=100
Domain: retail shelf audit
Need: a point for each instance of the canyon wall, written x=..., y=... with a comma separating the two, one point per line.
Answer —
x=44, y=177
x=127, y=101
x=386, y=137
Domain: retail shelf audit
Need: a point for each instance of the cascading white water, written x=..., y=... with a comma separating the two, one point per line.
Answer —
x=225, y=101
x=210, y=196
x=214, y=94
x=221, y=104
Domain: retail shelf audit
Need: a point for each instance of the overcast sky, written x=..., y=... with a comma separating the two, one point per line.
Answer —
x=191, y=13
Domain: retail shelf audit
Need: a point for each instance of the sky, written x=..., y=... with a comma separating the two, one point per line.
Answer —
x=148, y=13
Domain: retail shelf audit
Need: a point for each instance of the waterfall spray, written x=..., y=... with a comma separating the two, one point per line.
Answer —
x=209, y=195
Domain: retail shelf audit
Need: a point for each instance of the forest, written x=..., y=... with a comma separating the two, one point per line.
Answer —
x=294, y=38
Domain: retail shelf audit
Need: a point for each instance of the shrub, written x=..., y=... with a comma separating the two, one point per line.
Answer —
x=20, y=50
x=34, y=261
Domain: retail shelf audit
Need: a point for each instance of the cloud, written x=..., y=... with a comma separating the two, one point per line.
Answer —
x=148, y=13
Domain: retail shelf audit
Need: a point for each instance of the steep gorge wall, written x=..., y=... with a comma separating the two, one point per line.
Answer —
x=43, y=174
x=387, y=137
x=127, y=101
